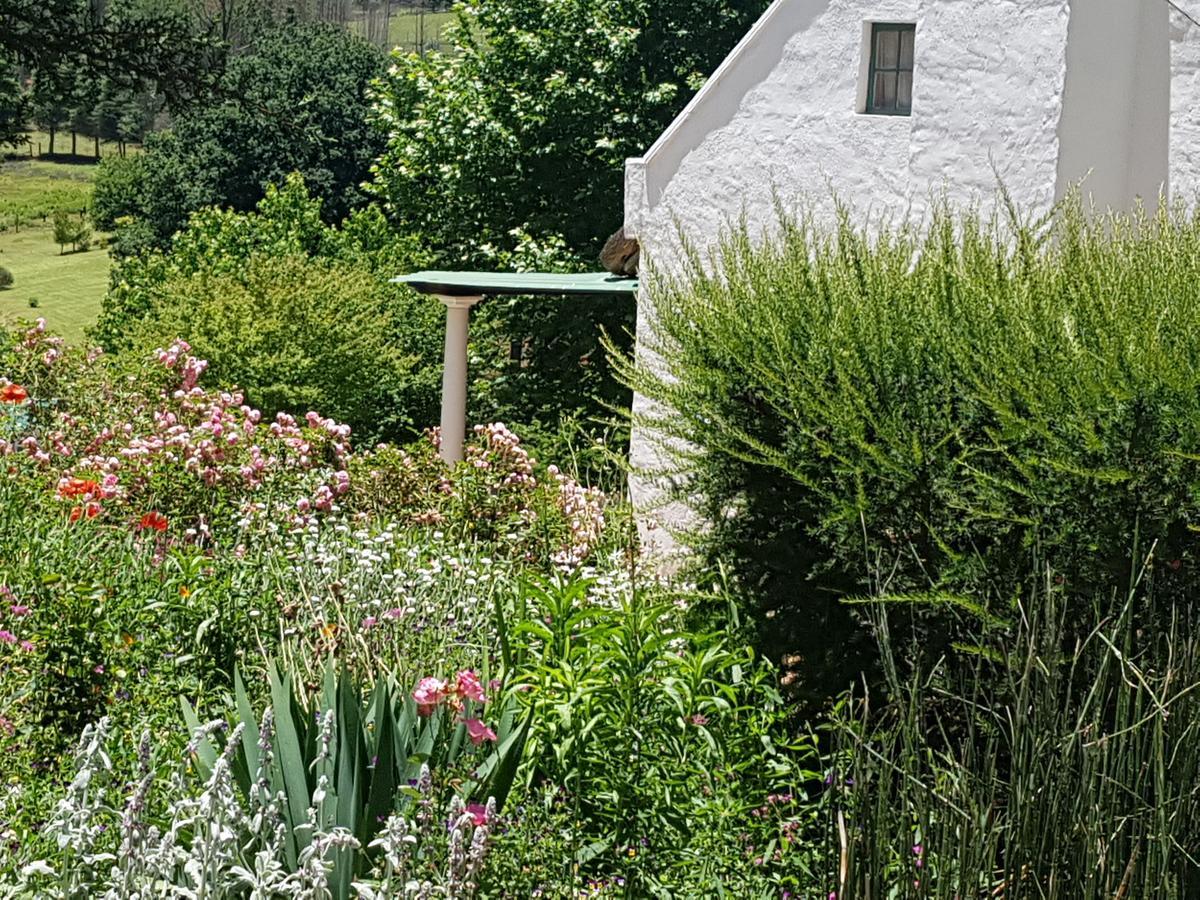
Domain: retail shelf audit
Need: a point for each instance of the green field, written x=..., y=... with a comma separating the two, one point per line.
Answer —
x=39, y=144
x=405, y=29
x=69, y=287
x=407, y=32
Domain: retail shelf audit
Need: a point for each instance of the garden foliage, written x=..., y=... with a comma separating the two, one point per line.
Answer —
x=296, y=314
x=296, y=102
x=159, y=535
x=1042, y=763
x=507, y=152
x=912, y=411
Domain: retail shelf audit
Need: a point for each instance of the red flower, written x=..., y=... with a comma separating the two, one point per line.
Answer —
x=90, y=510
x=153, y=521
x=79, y=487
x=13, y=393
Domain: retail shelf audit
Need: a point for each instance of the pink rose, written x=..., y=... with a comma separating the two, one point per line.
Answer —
x=429, y=693
x=478, y=732
x=470, y=687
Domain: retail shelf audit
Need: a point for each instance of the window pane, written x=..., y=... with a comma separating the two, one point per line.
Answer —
x=885, y=90
x=906, y=48
x=904, y=91
x=887, y=44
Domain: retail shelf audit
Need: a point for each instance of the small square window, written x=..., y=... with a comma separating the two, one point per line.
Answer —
x=890, y=75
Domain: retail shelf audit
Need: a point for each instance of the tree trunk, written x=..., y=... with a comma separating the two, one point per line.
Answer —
x=96, y=145
x=73, y=143
x=52, y=141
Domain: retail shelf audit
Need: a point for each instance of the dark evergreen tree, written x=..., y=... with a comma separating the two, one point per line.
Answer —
x=298, y=102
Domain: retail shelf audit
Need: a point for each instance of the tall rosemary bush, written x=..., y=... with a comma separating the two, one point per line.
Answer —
x=910, y=410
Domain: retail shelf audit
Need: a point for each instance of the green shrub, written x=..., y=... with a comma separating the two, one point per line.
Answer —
x=910, y=411
x=6, y=278
x=297, y=335
x=117, y=189
x=662, y=740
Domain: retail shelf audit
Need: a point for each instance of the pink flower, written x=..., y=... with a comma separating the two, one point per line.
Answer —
x=429, y=693
x=470, y=687
x=478, y=812
x=368, y=622
x=478, y=732
x=27, y=646
x=699, y=720
x=8, y=637
x=19, y=609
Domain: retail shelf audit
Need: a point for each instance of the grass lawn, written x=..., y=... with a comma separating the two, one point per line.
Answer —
x=85, y=147
x=405, y=30
x=32, y=190
x=68, y=288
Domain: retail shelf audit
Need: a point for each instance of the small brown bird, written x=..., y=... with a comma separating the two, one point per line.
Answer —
x=620, y=254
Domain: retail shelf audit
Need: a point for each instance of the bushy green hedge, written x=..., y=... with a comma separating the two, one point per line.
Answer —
x=913, y=412
x=298, y=314
x=300, y=334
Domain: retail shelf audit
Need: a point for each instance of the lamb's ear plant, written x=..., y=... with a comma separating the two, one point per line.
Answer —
x=378, y=744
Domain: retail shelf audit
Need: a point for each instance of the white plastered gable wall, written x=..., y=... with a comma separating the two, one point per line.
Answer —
x=1039, y=92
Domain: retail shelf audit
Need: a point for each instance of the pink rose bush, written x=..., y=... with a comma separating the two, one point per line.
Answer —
x=112, y=447
x=432, y=694
x=117, y=449
x=497, y=495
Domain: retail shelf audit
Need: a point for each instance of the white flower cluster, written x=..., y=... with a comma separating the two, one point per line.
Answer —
x=216, y=845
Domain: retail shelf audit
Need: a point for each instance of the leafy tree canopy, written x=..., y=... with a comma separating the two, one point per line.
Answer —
x=298, y=102
x=126, y=40
x=13, y=105
x=523, y=126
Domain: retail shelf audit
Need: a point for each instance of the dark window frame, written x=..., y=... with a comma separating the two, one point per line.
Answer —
x=900, y=28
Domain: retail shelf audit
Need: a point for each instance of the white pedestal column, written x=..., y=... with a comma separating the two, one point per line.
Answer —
x=454, y=376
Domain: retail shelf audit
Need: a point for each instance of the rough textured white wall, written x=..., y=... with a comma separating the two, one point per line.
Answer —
x=782, y=115
x=987, y=93
x=1185, y=105
x=1114, y=128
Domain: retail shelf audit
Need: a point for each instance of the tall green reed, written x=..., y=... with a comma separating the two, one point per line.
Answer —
x=1057, y=757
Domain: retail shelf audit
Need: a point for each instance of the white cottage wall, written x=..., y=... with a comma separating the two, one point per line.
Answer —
x=1114, y=128
x=987, y=95
x=1035, y=92
x=1185, y=106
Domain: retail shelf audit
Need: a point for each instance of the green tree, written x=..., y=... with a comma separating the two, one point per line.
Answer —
x=71, y=230
x=115, y=189
x=523, y=125
x=297, y=103
x=64, y=230
x=50, y=97
x=127, y=40
x=14, y=107
x=508, y=149
x=323, y=330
